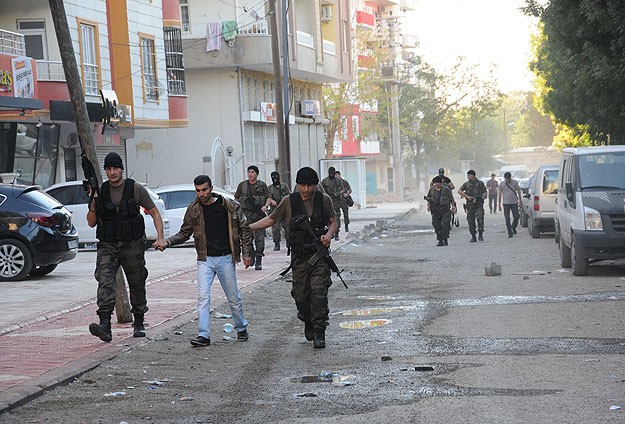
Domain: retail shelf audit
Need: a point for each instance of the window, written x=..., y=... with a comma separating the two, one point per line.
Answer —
x=174, y=62
x=148, y=68
x=89, y=58
x=34, y=33
x=36, y=153
x=184, y=14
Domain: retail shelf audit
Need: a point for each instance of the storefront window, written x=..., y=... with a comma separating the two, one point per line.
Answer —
x=36, y=152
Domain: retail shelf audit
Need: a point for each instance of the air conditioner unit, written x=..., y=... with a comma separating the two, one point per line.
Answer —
x=326, y=13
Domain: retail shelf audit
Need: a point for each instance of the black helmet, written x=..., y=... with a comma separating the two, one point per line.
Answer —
x=441, y=171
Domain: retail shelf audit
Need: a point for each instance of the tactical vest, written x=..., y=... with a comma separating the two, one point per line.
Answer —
x=122, y=223
x=299, y=239
x=252, y=203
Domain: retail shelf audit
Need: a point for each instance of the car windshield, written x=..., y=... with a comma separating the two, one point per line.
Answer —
x=602, y=170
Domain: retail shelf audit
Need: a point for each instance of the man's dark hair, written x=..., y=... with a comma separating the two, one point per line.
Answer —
x=253, y=168
x=337, y=173
x=507, y=175
x=201, y=179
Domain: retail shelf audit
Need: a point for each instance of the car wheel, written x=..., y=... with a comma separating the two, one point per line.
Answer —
x=39, y=271
x=534, y=229
x=15, y=260
x=523, y=219
x=565, y=254
x=579, y=264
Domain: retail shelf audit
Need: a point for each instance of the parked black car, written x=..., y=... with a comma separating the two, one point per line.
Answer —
x=36, y=233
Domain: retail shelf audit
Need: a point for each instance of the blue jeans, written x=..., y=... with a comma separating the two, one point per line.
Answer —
x=224, y=269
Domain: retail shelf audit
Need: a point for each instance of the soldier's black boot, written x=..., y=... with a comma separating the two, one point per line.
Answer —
x=258, y=264
x=346, y=228
x=103, y=329
x=319, y=341
x=309, y=331
x=137, y=326
x=276, y=246
x=473, y=239
x=445, y=242
x=479, y=237
x=440, y=243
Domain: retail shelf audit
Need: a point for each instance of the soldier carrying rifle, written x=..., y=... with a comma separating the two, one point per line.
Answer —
x=311, y=278
x=441, y=205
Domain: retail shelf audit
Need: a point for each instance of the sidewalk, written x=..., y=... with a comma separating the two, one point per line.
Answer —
x=46, y=350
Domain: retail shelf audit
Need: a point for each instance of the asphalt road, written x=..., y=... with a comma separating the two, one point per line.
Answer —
x=422, y=335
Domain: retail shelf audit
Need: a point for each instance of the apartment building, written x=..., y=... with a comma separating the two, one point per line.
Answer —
x=130, y=48
x=232, y=93
x=379, y=20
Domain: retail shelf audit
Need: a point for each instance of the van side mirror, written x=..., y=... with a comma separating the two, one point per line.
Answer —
x=569, y=192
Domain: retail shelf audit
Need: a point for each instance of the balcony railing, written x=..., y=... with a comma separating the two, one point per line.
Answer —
x=246, y=29
x=12, y=43
x=50, y=70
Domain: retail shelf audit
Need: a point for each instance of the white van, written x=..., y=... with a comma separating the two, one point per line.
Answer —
x=590, y=206
x=541, y=193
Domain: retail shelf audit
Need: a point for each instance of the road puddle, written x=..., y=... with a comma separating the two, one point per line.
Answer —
x=357, y=325
x=365, y=312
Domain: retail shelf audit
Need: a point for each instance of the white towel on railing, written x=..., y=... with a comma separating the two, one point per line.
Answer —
x=213, y=36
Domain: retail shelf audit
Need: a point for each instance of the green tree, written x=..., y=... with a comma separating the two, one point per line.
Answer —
x=442, y=116
x=579, y=60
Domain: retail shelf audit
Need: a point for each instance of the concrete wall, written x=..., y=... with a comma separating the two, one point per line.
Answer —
x=171, y=156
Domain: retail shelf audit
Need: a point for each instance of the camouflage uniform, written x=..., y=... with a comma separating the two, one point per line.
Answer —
x=334, y=188
x=475, y=209
x=277, y=194
x=440, y=206
x=252, y=198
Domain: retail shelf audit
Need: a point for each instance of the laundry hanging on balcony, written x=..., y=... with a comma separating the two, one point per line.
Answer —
x=230, y=31
x=213, y=36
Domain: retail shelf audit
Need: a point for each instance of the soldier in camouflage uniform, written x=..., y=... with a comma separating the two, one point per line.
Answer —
x=334, y=188
x=121, y=234
x=311, y=283
x=278, y=191
x=474, y=191
x=255, y=199
x=440, y=203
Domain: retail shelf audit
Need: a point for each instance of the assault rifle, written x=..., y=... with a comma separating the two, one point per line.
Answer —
x=321, y=252
x=90, y=183
x=253, y=206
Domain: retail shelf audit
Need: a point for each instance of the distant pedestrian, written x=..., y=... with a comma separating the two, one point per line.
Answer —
x=121, y=234
x=278, y=191
x=492, y=185
x=310, y=282
x=220, y=232
x=255, y=199
x=441, y=205
x=334, y=187
x=474, y=192
x=346, y=201
x=510, y=197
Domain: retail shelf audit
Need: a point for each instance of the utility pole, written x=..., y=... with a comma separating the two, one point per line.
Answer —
x=280, y=121
x=83, y=127
x=287, y=103
x=398, y=165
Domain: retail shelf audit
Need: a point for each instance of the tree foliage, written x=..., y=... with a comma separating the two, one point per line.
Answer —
x=579, y=61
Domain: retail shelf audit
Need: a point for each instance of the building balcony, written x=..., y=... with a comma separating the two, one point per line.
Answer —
x=252, y=50
x=12, y=43
x=365, y=18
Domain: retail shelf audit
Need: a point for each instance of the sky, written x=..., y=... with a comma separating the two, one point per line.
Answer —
x=485, y=31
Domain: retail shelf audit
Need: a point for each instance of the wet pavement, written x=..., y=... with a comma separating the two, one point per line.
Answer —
x=49, y=343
